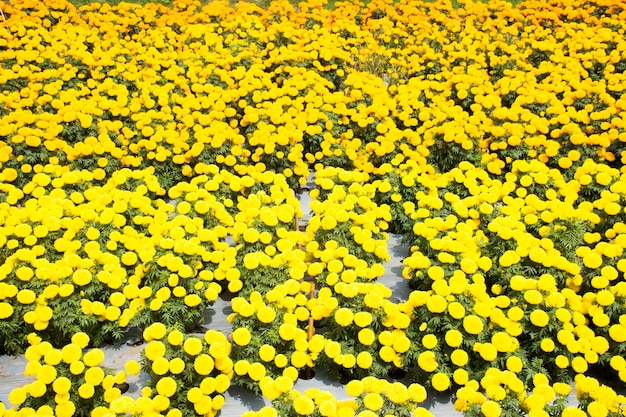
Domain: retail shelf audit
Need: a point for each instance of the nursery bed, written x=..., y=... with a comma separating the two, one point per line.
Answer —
x=238, y=399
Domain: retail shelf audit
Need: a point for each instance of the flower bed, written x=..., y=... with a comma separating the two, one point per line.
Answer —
x=151, y=159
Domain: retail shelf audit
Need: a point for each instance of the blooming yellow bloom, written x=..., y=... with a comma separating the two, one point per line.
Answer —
x=473, y=324
x=354, y=388
x=344, y=316
x=440, y=381
x=94, y=376
x=166, y=386
x=366, y=336
x=203, y=364
x=303, y=405
x=93, y=357
x=193, y=346
x=453, y=338
x=427, y=361
x=491, y=409
x=242, y=336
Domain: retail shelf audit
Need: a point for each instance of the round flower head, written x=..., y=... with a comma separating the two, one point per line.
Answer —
x=132, y=367
x=427, y=361
x=94, y=357
x=440, y=381
x=303, y=405
x=175, y=338
x=203, y=364
x=193, y=346
x=473, y=324
x=154, y=349
x=160, y=366
x=241, y=336
x=166, y=386
x=354, y=388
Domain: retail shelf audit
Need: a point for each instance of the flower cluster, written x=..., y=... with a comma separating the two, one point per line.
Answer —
x=67, y=382
x=346, y=238
x=367, y=398
x=269, y=335
x=188, y=374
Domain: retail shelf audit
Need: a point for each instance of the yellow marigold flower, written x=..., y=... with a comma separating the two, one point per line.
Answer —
x=193, y=346
x=491, y=409
x=17, y=396
x=94, y=376
x=61, y=385
x=241, y=367
x=24, y=273
x=77, y=367
x=9, y=175
x=436, y=304
x=53, y=357
x=429, y=341
x=459, y=357
x=533, y=297
x=596, y=408
x=328, y=408
x=473, y=324
x=436, y=273
x=354, y=388
x=547, y=345
x=592, y=260
x=160, y=366
x=453, y=338
x=460, y=376
x=456, y=310
x=514, y=364
x=303, y=405
x=174, y=338
x=599, y=345
x=427, y=361
x=81, y=277
x=281, y=360
x=166, y=386
x=36, y=389
x=373, y=401
x=440, y=381
x=509, y=258
x=579, y=364
x=132, y=367
x=299, y=359
x=155, y=331
x=534, y=402
x=605, y=298
x=561, y=361
x=387, y=354
x=267, y=353
x=366, y=336
x=363, y=318
x=364, y=360
x=486, y=350
x=154, y=349
x=93, y=357
x=344, y=316
x=195, y=395
x=417, y=392
x=328, y=222
x=266, y=314
x=203, y=364
x=242, y=336
x=539, y=318
x=401, y=344
x=192, y=300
